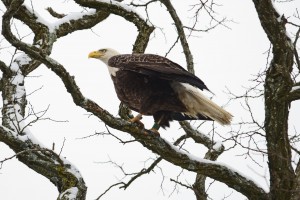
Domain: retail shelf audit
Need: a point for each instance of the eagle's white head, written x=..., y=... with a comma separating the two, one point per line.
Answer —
x=104, y=55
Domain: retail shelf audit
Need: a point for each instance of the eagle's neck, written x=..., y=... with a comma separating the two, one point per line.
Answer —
x=105, y=59
x=112, y=70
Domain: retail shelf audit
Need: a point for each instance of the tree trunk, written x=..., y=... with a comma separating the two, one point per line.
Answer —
x=278, y=84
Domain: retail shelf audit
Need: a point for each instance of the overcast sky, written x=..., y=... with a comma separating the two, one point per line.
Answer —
x=224, y=58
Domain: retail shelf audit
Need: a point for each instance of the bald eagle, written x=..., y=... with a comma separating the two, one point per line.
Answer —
x=153, y=85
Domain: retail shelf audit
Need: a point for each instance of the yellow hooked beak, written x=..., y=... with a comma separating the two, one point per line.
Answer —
x=95, y=54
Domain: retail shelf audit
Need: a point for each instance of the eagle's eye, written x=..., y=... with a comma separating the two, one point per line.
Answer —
x=103, y=50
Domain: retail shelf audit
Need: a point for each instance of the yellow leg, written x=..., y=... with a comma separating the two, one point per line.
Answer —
x=155, y=131
x=137, y=119
x=155, y=128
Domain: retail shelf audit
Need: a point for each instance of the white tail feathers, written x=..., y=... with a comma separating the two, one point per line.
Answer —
x=196, y=103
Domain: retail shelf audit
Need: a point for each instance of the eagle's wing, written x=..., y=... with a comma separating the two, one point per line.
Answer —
x=157, y=66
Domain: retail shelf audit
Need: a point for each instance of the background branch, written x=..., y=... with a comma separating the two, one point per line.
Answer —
x=181, y=34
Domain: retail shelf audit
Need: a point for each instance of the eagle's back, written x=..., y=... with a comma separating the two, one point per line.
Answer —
x=156, y=66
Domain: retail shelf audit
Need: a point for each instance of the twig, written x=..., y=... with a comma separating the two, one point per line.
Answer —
x=110, y=187
x=54, y=13
x=182, y=184
x=181, y=34
x=62, y=146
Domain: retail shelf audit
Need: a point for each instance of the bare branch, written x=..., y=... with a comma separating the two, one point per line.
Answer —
x=295, y=49
x=141, y=172
x=144, y=29
x=15, y=155
x=181, y=34
x=201, y=138
x=143, y=5
x=110, y=187
x=55, y=14
x=182, y=184
x=62, y=147
x=172, y=46
x=208, y=7
x=5, y=69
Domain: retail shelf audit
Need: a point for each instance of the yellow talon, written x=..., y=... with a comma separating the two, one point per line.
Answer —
x=137, y=119
x=155, y=131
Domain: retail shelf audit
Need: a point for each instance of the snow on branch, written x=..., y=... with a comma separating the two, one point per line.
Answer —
x=59, y=171
x=295, y=88
x=76, y=21
x=201, y=138
x=273, y=23
x=295, y=92
x=115, y=7
x=25, y=15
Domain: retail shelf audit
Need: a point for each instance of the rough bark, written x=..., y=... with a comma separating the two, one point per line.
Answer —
x=296, y=186
x=278, y=83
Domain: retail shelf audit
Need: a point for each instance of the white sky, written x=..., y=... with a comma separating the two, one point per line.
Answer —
x=223, y=58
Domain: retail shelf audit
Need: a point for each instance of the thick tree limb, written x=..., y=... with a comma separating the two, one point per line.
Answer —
x=5, y=69
x=23, y=14
x=85, y=22
x=117, y=8
x=44, y=38
x=46, y=162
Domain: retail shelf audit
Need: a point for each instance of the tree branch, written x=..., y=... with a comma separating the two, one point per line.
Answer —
x=181, y=34
x=44, y=161
x=294, y=93
x=5, y=69
x=117, y=8
x=152, y=166
x=214, y=150
x=54, y=13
